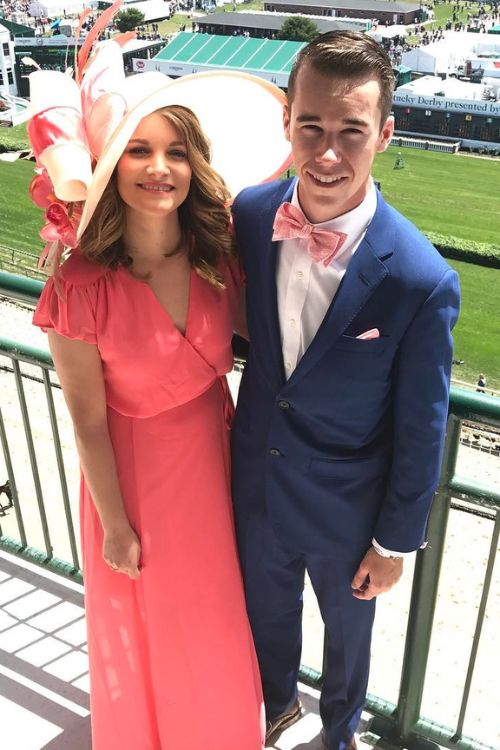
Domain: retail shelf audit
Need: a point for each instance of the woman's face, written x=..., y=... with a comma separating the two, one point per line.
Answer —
x=154, y=174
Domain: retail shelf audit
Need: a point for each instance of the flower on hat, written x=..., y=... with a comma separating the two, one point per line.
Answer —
x=59, y=225
x=41, y=190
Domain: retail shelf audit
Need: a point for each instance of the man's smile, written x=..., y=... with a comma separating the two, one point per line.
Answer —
x=323, y=179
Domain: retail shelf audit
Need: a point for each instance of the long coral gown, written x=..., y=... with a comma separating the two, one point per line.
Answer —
x=172, y=663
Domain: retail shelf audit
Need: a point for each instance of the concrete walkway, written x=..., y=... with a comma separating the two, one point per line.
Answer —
x=44, y=700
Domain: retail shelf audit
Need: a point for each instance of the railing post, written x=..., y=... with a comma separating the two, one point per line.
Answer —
x=423, y=600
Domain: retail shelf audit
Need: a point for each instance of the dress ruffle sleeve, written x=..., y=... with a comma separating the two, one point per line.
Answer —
x=69, y=302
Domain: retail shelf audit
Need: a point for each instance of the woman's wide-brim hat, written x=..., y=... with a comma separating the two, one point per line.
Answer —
x=80, y=127
x=240, y=114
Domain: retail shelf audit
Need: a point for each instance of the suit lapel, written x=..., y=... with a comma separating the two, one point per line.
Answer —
x=365, y=272
x=268, y=276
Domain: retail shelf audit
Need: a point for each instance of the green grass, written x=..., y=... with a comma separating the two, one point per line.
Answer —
x=477, y=333
x=444, y=193
x=14, y=139
x=444, y=12
x=174, y=24
x=20, y=220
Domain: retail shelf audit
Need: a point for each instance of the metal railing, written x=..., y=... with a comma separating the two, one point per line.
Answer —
x=15, y=260
x=42, y=362
x=401, y=725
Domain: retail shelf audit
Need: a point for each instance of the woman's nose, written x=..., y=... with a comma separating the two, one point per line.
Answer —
x=158, y=166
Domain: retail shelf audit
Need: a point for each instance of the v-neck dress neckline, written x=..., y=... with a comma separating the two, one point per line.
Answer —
x=149, y=365
x=162, y=308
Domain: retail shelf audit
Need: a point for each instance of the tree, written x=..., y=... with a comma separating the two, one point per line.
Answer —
x=127, y=20
x=298, y=29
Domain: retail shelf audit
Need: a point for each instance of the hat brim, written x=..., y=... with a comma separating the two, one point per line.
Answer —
x=240, y=114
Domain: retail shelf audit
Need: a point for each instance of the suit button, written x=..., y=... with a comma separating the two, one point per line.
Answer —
x=275, y=452
x=283, y=404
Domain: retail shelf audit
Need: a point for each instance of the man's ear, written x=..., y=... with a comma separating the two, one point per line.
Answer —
x=386, y=134
x=286, y=120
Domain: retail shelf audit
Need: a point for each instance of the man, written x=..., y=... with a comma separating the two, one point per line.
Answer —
x=343, y=403
x=481, y=383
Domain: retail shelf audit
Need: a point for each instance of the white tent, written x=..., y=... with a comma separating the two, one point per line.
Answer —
x=441, y=56
x=56, y=8
x=387, y=32
x=153, y=10
x=432, y=58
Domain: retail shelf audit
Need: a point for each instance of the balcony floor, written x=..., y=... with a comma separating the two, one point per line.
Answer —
x=44, y=702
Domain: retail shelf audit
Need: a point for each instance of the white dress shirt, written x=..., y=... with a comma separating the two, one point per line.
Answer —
x=306, y=288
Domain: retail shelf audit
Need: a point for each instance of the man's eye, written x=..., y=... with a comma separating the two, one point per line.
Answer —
x=311, y=129
x=353, y=131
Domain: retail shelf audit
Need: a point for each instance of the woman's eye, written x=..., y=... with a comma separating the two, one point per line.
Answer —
x=138, y=150
x=178, y=154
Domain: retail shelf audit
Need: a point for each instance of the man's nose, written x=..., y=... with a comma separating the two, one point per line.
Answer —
x=328, y=154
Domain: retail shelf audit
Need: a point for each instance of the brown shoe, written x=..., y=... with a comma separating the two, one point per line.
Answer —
x=351, y=746
x=274, y=727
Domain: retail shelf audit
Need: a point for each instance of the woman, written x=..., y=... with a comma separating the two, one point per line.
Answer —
x=140, y=329
x=140, y=319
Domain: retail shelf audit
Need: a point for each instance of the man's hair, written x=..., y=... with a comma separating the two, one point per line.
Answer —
x=348, y=55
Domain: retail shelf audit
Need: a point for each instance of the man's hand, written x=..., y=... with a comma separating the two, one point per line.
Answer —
x=376, y=574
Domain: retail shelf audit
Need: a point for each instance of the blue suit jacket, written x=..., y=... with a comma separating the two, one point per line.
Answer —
x=350, y=446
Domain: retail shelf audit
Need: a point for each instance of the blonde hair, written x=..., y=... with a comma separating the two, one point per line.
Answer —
x=204, y=216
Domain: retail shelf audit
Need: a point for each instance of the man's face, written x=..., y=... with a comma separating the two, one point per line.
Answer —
x=335, y=131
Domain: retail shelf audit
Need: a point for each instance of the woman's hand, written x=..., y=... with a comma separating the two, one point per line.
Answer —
x=122, y=551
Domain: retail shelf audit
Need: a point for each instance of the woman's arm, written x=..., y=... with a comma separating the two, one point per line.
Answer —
x=79, y=368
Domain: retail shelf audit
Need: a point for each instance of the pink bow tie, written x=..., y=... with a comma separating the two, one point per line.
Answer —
x=322, y=244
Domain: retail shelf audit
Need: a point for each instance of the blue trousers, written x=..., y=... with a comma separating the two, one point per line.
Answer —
x=274, y=583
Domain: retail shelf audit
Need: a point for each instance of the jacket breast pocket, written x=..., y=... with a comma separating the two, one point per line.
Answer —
x=362, y=346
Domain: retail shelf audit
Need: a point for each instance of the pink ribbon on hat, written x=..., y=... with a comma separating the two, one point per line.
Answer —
x=55, y=125
x=57, y=134
x=322, y=244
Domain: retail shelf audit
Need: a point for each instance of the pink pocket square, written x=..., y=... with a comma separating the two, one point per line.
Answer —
x=373, y=333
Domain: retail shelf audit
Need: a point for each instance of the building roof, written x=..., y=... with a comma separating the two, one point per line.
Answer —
x=361, y=5
x=450, y=88
x=242, y=53
x=133, y=45
x=270, y=20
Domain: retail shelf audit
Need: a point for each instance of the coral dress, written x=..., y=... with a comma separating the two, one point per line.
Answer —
x=172, y=663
